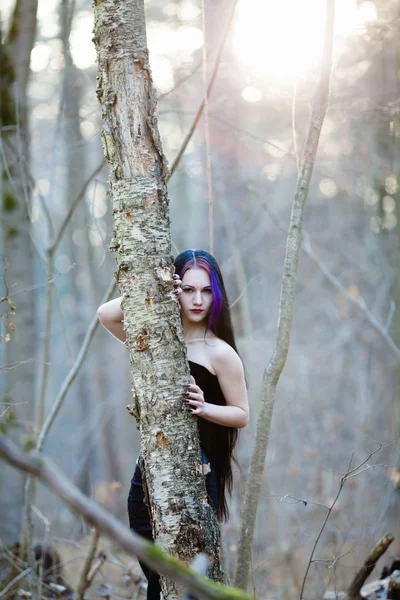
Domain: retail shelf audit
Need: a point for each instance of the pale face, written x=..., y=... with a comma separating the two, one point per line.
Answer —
x=196, y=297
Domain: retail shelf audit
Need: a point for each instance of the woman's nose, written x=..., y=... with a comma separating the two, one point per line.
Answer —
x=197, y=298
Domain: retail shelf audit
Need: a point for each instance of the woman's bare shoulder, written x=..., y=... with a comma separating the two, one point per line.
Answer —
x=224, y=357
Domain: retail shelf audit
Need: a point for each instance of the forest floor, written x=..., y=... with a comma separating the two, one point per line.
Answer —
x=120, y=571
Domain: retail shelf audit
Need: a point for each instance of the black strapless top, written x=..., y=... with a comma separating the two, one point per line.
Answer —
x=213, y=437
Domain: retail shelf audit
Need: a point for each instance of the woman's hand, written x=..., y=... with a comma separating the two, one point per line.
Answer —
x=177, y=285
x=194, y=398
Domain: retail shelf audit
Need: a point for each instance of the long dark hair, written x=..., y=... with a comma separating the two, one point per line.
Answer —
x=220, y=323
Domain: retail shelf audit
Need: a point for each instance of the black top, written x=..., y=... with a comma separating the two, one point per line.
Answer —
x=214, y=439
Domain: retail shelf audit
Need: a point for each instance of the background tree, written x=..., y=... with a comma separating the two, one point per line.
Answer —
x=19, y=350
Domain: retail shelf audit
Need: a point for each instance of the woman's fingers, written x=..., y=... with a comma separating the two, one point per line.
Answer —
x=194, y=406
x=193, y=396
x=177, y=285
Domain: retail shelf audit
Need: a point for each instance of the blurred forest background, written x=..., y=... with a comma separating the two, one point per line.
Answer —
x=339, y=396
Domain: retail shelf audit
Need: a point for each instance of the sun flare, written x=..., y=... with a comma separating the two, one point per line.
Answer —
x=283, y=40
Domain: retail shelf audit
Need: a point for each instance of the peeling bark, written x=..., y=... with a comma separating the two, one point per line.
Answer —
x=183, y=522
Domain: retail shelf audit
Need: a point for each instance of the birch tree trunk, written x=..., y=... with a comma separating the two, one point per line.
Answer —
x=277, y=362
x=19, y=352
x=183, y=522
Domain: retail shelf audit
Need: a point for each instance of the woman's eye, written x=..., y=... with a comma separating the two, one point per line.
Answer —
x=187, y=290
x=207, y=291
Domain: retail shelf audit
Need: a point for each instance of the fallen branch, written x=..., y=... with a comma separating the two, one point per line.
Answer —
x=155, y=558
x=353, y=593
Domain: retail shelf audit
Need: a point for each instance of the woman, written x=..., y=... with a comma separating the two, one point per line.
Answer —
x=217, y=390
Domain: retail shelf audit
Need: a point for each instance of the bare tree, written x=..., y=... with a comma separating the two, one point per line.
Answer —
x=182, y=520
x=17, y=248
x=277, y=362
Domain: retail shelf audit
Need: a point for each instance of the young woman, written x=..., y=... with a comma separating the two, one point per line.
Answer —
x=217, y=391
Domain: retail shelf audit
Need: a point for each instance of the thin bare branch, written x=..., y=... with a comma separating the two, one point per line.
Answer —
x=33, y=187
x=359, y=302
x=84, y=582
x=73, y=371
x=350, y=472
x=13, y=582
x=74, y=204
x=200, y=110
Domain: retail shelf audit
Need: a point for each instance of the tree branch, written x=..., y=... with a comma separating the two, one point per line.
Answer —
x=73, y=371
x=202, y=105
x=73, y=206
x=383, y=330
x=84, y=578
x=353, y=593
x=151, y=555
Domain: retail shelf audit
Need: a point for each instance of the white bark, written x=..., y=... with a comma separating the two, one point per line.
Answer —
x=183, y=522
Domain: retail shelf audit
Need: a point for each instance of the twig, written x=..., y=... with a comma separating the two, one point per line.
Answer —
x=46, y=341
x=34, y=187
x=343, y=480
x=180, y=82
x=14, y=581
x=359, y=302
x=155, y=558
x=84, y=581
x=296, y=500
x=73, y=206
x=238, y=129
x=101, y=559
x=196, y=120
x=383, y=330
x=353, y=593
x=46, y=522
x=27, y=531
x=334, y=560
x=73, y=371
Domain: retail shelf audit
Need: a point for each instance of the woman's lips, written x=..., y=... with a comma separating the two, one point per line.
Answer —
x=196, y=310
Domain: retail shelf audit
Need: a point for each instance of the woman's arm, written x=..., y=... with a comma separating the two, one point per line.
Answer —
x=111, y=317
x=230, y=373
